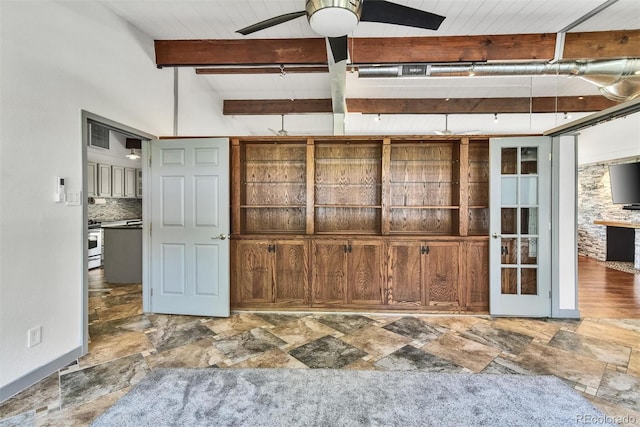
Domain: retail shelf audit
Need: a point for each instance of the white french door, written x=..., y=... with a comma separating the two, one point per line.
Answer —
x=189, y=212
x=520, y=243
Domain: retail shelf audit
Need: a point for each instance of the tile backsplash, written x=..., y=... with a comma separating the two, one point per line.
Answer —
x=116, y=210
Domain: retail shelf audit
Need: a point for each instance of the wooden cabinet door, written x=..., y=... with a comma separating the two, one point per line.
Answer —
x=441, y=267
x=477, y=274
x=404, y=281
x=117, y=181
x=365, y=273
x=291, y=272
x=254, y=272
x=329, y=259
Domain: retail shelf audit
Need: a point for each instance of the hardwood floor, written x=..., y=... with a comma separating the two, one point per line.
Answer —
x=604, y=292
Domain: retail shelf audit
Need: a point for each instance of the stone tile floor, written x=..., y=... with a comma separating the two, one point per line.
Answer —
x=599, y=358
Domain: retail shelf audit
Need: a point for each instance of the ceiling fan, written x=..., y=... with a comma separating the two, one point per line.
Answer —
x=335, y=19
x=446, y=131
x=282, y=131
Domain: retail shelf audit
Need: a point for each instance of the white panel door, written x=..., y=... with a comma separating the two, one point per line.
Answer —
x=189, y=242
x=520, y=244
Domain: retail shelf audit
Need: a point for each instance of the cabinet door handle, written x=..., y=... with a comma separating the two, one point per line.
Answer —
x=346, y=249
x=349, y=248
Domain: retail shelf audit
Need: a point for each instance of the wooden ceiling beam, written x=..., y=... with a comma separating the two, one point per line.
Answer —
x=513, y=47
x=261, y=70
x=602, y=44
x=248, y=52
x=397, y=50
x=421, y=106
x=276, y=106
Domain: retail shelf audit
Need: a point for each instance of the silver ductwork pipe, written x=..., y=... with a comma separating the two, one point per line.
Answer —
x=617, y=79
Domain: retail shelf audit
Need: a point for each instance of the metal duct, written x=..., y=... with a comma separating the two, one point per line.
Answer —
x=617, y=79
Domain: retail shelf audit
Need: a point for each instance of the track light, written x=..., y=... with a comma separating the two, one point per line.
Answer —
x=495, y=117
x=378, y=118
x=567, y=116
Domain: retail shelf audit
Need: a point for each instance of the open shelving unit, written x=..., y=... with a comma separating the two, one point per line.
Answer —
x=360, y=223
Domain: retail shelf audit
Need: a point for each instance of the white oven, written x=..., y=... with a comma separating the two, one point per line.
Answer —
x=95, y=247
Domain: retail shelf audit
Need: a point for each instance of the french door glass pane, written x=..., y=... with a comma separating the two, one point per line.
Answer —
x=528, y=160
x=509, y=281
x=509, y=251
x=509, y=218
x=509, y=191
x=529, y=190
x=509, y=161
x=529, y=250
x=529, y=281
x=529, y=220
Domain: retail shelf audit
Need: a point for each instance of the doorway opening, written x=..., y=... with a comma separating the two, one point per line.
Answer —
x=97, y=132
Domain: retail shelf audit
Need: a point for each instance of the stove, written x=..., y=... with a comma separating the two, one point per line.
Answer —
x=94, y=224
x=95, y=243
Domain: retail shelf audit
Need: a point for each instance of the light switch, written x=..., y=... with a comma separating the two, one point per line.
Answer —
x=74, y=198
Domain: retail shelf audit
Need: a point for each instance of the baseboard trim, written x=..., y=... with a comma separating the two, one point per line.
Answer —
x=566, y=314
x=15, y=387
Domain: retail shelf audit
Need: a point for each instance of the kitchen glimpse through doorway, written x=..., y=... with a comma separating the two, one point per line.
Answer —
x=97, y=128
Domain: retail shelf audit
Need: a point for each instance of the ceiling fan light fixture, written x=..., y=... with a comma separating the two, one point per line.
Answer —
x=334, y=18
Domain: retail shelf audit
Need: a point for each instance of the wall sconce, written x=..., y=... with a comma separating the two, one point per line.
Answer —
x=133, y=144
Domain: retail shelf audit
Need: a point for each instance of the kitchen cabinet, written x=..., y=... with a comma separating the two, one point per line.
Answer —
x=347, y=273
x=117, y=181
x=129, y=182
x=123, y=254
x=104, y=180
x=139, y=183
x=92, y=179
x=271, y=273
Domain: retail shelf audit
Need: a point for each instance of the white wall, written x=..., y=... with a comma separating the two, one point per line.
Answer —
x=58, y=58
x=616, y=139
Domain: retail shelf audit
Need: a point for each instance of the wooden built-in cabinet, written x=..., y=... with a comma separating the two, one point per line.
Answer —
x=347, y=273
x=359, y=223
x=425, y=274
x=270, y=273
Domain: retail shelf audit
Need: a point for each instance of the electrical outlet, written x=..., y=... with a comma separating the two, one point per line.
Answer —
x=34, y=337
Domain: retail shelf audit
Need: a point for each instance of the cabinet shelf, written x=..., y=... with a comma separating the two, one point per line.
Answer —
x=272, y=206
x=340, y=206
x=442, y=183
x=341, y=184
x=425, y=161
x=424, y=207
x=273, y=183
x=350, y=160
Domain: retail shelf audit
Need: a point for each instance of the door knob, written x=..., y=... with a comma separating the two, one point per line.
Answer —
x=220, y=237
x=496, y=235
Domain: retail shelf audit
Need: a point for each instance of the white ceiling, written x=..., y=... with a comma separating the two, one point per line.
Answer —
x=219, y=19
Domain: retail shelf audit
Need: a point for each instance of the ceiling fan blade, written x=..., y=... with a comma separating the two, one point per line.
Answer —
x=339, y=48
x=392, y=13
x=271, y=22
